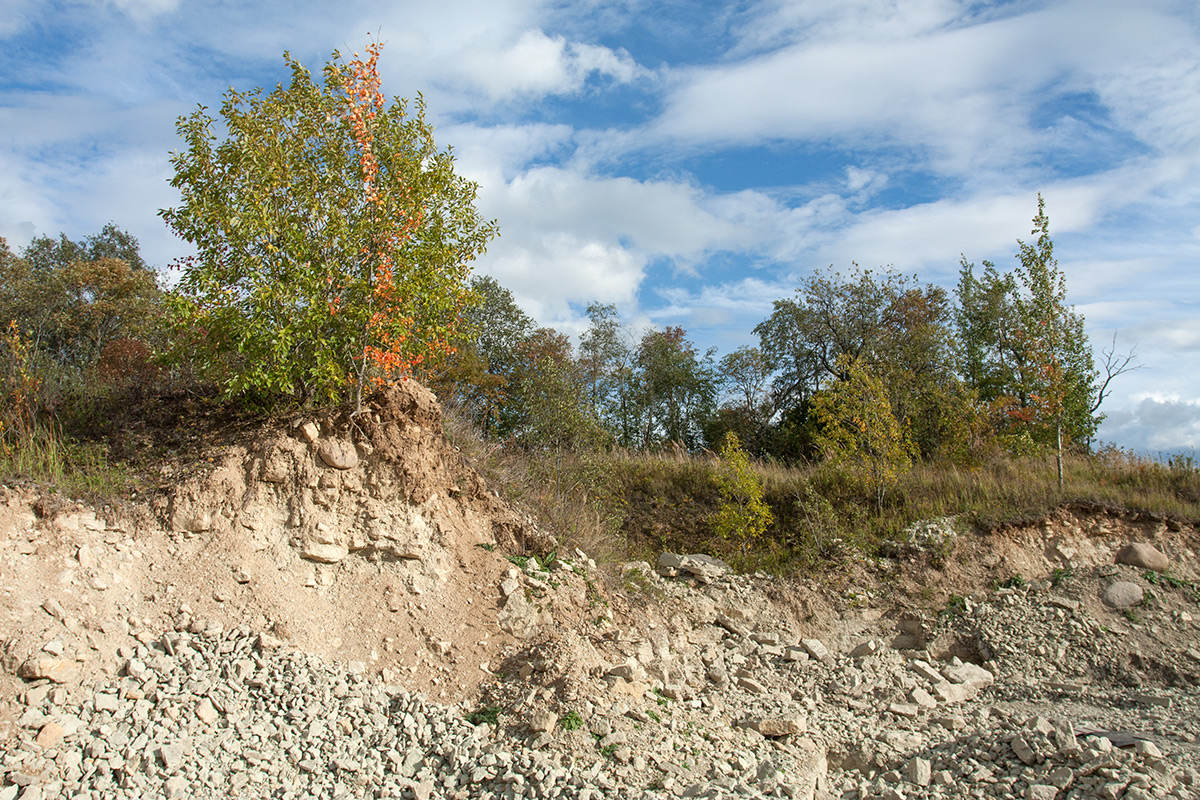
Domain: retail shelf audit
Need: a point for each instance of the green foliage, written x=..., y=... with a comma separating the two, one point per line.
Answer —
x=857, y=430
x=333, y=237
x=1061, y=574
x=676, y=389
x=73, y=299
x=571, y=721
x=742, y=516
x=1024, y=350
x=489, y=715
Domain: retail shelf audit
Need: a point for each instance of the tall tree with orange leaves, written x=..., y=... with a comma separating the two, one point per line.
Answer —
x=333, y=237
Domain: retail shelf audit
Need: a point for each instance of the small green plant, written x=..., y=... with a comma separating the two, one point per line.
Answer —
x=956, y=606
x=1131, y=615
x=488, y=715
x=486, y=546
x=1014, y=582
x=1061, y=574
x=652, y=714
x=571, y=721
x=520, y=561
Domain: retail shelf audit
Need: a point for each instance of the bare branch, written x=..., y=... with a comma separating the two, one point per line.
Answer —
x=1115, y=364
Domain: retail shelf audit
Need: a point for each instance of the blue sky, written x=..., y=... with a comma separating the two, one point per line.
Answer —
x=691, y=162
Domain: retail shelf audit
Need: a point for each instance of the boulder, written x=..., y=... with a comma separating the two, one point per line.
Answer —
x=1122, y=594
x=1142, y=556
x=703, y=568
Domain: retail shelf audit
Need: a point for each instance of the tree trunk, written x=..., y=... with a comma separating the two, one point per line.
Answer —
x=1058, y=437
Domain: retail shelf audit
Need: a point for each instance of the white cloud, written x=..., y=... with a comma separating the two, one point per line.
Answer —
x=1155, y=424
x=15, y=16
x=959, y=92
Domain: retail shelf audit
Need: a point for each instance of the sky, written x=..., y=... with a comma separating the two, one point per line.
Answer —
x=692, y=162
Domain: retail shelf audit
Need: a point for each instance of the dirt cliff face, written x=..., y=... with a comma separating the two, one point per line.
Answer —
x=366, y=539
x=369, y=541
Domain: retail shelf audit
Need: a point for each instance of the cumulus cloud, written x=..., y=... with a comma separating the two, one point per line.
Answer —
x=1155, y=424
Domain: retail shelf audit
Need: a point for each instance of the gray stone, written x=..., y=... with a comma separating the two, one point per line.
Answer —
x=816, y=649
x=542, y=721
x=919, y=771
x=703, y=568
x=779, y=726
x=338, y=454
x=1122, y=594
x=968, y=673
x=1143, y=556
x=867, y=648
x=1023, y=751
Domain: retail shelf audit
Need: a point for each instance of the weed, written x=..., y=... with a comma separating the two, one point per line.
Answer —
x=956, y=606
x=652, y=714
x=1131, y=615
x=571, y=721
x=1014, y=582
x=1061, y=574
x=489, y=715
x=486, y=546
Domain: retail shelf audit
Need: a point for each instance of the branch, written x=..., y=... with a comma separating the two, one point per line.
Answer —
x=1115, y=364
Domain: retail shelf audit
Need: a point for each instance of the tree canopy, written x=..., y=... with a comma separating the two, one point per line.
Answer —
x=333, y=237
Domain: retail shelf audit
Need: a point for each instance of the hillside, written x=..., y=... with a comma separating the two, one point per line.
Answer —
x=342, y=607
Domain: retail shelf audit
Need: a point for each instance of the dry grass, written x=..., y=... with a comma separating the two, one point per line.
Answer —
x=621, y=505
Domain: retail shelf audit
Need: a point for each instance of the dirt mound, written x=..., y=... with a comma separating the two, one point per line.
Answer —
x=366, y=539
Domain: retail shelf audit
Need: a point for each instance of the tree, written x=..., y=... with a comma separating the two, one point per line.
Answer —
x=604, y=358
x=742, y=515
x=1024, y=349
x=549, y=405
x=899, y=329
x=333, y=237
x=72, y=299
x=743, y=374
x=677, y=389
x=45, y=254
x=856, y=429
x=481, y=374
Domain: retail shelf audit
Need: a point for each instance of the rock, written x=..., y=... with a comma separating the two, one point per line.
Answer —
x=542, y=721
x=778, y=726
x=968, y=673
x=922, y=698
x=59, y=670
x=925, y=670
x=1143, y=556
x=324, y=553
x=518, y=617
x=338, y=454
x=1122, y=594
x=1023, y=751
x=949, y=692
x=816, y=649
x=206, y=711
x=171, y=756
x=867, y=648
x=919, y=771
x=310, y=432
x=1041, y=791
x=50, y=735
x=703, y=568
x=751, y=685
